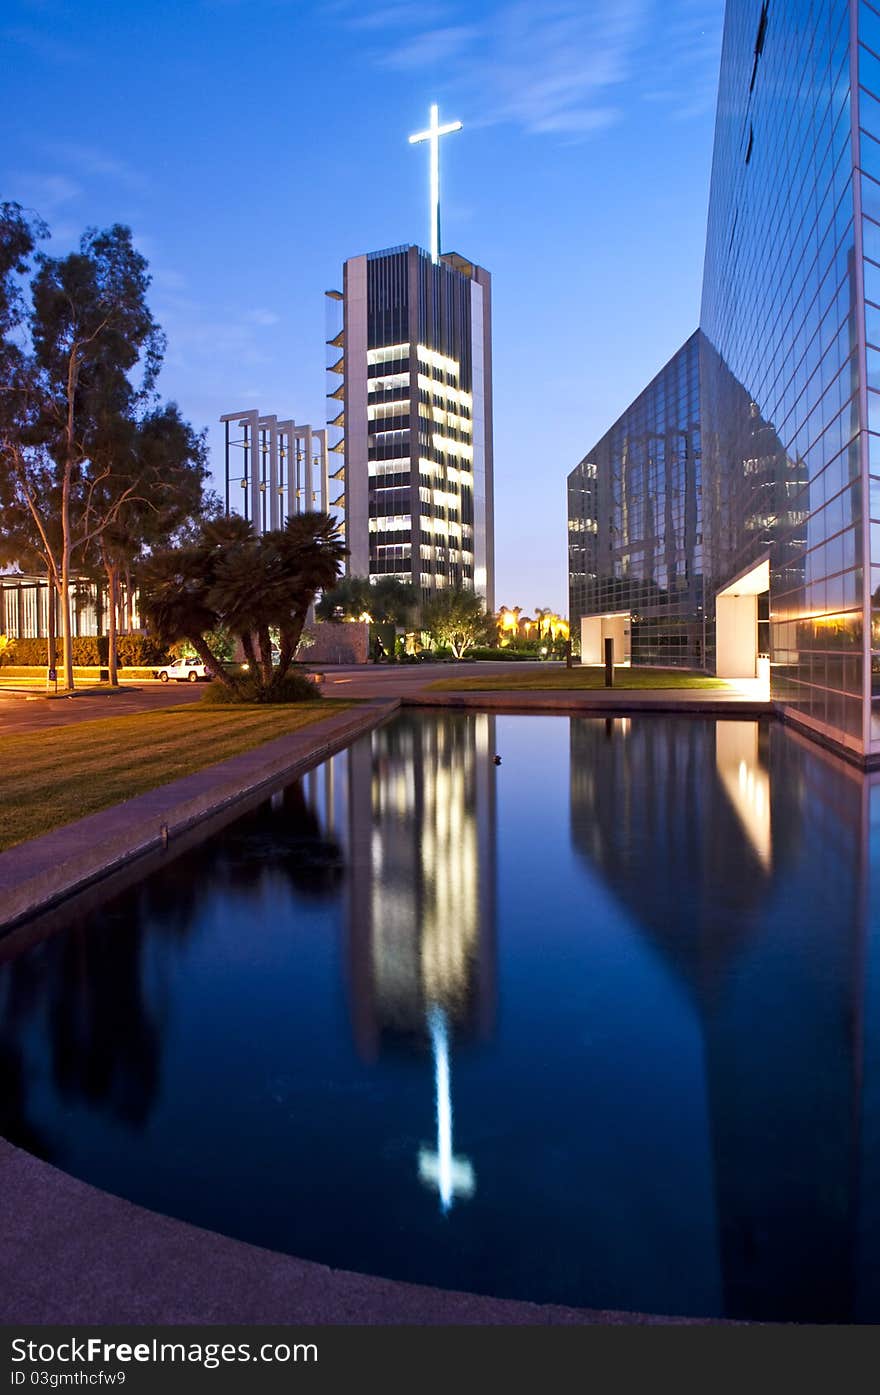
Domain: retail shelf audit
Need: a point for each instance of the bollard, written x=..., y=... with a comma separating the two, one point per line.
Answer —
x=609, y=663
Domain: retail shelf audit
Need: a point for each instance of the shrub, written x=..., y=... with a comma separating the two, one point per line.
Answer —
x=503, y=655
x=139, y=651
x=294, y=688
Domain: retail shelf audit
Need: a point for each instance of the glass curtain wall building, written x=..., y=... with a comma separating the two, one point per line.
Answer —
x=412, y=419
x=788, y=472
x=635, y=551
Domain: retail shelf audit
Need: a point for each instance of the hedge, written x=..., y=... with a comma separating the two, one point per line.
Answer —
x=132, y=651
x=82, y=672
x=503, y=655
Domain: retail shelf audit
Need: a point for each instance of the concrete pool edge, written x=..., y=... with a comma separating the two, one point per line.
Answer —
x=600, y=703
x=73, y=1254
x=39, y=873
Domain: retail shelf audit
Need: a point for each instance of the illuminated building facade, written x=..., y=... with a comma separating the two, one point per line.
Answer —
x=788, y=475
x=25, y=600
x=410, y=371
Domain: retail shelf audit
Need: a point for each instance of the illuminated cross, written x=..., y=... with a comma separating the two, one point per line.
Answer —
x=432, y=135
x=443, y=1170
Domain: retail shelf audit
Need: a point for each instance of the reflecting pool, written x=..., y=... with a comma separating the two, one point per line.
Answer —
x=597, y=1025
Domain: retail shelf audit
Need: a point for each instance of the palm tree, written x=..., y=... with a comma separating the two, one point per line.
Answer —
x=542, y=619
x=508, y=621
x=232, y=578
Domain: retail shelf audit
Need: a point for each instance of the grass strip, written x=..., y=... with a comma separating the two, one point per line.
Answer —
x=578, y=680
x=52, y=777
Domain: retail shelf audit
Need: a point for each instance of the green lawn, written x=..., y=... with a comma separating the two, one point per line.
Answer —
x=54, y=776
x=574, y=680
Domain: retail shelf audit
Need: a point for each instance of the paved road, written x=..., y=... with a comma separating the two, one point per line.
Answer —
x=399, y=680
x=27, y=712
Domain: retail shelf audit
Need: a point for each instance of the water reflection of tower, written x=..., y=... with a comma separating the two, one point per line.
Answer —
x=421, y=908
x=667, y=839
x=738, y=854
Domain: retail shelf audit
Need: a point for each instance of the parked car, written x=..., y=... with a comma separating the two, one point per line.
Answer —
x=182, y=671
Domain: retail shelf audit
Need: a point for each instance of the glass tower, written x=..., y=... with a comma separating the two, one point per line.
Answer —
x=787, y=474
x=415, y=427
x=782, y=368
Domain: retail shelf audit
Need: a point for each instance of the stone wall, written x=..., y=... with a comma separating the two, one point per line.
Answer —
x=347, y=642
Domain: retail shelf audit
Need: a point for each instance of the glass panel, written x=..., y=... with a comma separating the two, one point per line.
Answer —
x=869, y=70
x=870, y=155
x=869, y=27
x=871, y=197
x=869, y=112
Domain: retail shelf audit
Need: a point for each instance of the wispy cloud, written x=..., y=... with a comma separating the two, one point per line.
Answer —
x=263, y=318
x=563, y=68
x=558, y=69
x=431, y=47
x=199, y=336
x=90, y=162
x=166, y=279
x=45, y=193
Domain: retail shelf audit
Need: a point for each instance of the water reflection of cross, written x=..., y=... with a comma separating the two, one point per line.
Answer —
x=451, y=1176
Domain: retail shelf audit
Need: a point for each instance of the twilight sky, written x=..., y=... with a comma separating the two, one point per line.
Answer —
x=252, y=145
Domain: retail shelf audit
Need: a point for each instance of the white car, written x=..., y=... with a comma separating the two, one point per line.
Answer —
x=183, y=671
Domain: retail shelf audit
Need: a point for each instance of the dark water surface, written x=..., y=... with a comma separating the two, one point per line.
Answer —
x=597, y=1026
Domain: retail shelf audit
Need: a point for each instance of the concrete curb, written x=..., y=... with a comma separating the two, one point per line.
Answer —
x=36, y=874
x=595, y=704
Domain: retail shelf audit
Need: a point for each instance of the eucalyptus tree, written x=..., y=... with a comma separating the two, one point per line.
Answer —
x=68, y=386
x=91, y=328
x=96, y=471
x=146, y=492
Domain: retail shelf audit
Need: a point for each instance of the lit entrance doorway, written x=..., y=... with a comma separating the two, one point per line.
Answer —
x=742, y=625
x=595, y=629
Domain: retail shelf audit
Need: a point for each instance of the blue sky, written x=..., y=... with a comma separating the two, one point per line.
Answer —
x=252, y=145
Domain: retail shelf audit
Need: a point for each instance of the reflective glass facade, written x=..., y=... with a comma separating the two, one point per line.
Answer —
x=634, y=526
x=781, y=405
x=788, y=420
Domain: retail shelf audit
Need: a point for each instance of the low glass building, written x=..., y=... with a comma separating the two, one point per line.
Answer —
x=784, y=563
x=635, y=549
